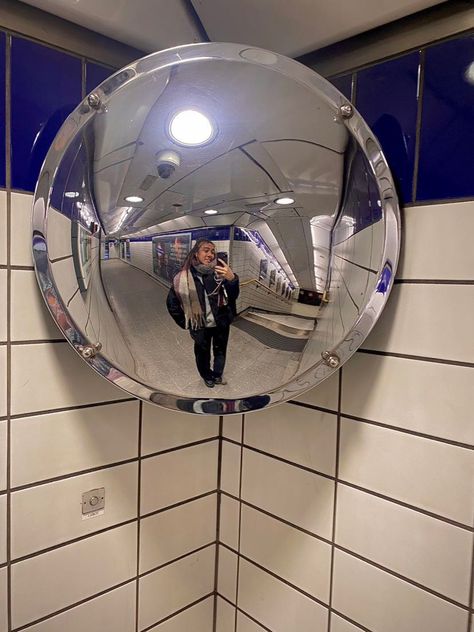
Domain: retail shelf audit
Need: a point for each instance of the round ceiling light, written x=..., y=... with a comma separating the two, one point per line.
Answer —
x=133, y=199
x=190, y=127
x=211, y=211
x=284, y=200
x=71, y=194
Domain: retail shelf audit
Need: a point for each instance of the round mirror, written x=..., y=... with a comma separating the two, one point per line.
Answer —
x=215, y=229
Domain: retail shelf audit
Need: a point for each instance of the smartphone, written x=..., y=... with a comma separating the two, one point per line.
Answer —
x=223, y=256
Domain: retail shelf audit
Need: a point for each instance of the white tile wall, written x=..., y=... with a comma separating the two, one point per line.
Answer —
x=380, y=601
x=3, y=301
x=3, y=228
x=21, y=206
x=3, y=381
x=232, y=427
x=46, y=583
x=3, y=529
x=32, y=320
x=229, y=522
x=110, y=612
x=230, y=468
x=325, y=395
x=244, y=624
x=227, y=574
x=225, y=616
x=169, y=534
x=59, y=443
x=176, y=476
x=198, y=618
x=3, y=600
x=432, y=475
x=3, y=455
x=341, y=625
x=190, y=578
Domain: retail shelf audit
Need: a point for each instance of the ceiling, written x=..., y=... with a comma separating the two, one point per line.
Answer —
x=290, y=28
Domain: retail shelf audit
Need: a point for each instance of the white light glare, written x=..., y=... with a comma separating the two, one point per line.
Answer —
x=211, y=211
x=190, y=127
x=284, y=200
x=71, y=194
x=134, y=199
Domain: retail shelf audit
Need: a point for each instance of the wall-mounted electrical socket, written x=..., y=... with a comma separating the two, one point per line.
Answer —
x=93, y=503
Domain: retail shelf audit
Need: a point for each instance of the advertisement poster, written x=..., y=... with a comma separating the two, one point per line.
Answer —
x=169, y=254
x=278, y=286
x=127, y=249
x=272, y=277
x=262, y=275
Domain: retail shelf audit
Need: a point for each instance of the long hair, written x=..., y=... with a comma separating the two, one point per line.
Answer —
x=191, y=258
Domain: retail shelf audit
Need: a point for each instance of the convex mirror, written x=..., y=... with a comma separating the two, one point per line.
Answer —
x=215, y=229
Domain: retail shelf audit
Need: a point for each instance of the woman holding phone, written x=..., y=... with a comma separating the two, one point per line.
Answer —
x=202, y=299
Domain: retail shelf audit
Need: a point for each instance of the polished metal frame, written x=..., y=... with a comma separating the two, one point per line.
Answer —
x=332, y=358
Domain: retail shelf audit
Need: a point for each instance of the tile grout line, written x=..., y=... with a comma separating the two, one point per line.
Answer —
x=470, y=618
x=176, y=613
x=139, y=489
x=334, y=515
x=218, y=523
x=419, y=113
x=407, y=356
x=239, y=538
x=264, y=627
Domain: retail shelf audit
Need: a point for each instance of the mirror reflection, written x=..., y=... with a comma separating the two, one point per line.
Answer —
x=213, y=231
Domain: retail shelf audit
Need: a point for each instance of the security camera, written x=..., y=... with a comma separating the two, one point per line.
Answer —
x=167, y=161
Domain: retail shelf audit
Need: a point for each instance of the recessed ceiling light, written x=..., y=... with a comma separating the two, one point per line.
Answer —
x=190, y=127
x=211, y=211
x=284, y=200
x=71, y=194
x=134, y=199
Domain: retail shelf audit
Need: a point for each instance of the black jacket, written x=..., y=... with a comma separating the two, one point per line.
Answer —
x=223, y=315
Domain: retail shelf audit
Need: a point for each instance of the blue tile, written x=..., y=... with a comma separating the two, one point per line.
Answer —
x=447, y=131
x=387, y=99
x=343, y=84
x=2, y=109
x=45, y=88
x=95, y=75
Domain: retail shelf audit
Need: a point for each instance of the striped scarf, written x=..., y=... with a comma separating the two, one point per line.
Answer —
x=185, y=288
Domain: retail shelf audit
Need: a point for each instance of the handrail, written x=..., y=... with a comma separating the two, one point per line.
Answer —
x=267, y=289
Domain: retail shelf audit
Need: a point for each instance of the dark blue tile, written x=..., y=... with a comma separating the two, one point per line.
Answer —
x=343, y=84
x=95, y=75
x=447, y=131
x=2, y=109
x=387, y=99
x=45, y=88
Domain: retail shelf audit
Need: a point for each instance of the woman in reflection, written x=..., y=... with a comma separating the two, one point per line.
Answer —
x=202, y=299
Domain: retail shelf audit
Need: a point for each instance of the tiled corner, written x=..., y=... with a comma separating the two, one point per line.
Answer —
x=227, y=574
x=174, y=586
x=295, y=433
x=232, y=427
x=338, y=624
x=47, y=583
x=229, y=522
x=198, y=618
x=179, y=475
x=113, y=611
x=225, y=616
x=3, y=600
x=3, y=228
x=3, y=528
x=164, y=429
x=120, y=483
x=230, y=468
x=379, y=601
x=296, y=495
x=407, y=468
x=21, y=210
x=275, y=604
x=31, y=319
x=426, y=550
x=60, y=443
x=244, y=624
x=301, y=559
x=167, y=535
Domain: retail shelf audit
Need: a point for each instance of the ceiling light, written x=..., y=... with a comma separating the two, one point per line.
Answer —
x=71, y=194
x=134, y=199
x=284, y=200
x=211, y=211
x=190, y=127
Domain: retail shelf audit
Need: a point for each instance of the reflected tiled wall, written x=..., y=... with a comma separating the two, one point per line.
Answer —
x=352, y=508
x=64, y=430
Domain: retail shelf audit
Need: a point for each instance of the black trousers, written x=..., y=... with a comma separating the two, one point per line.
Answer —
x=217, y=337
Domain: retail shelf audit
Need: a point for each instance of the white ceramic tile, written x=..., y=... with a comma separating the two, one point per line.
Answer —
x=422, y=472
x=338, y=624
x=175, y=476
x=227, y=574
x=437, y=398
x=301, y=559
x=3, y=228
x=57, y=508
x=446, y=232
x=427, y=320
x=230, y=468
x=276, y=605
x=380, y=601
x=112, y=612
x=55, y=444
x=169, y=534
x=244, y=624
x=164, y=429
x=302, y=498
x=232, y=427
x=424, y=549
x=3, y=305
x=324, y=395
x=3, y=600
x=3, y=528
x=21, y=210
x=31, y=319
x=225, y=619
x=70, y=381
x=47, y=583
x=298, y=434
x=174, y=586
x=3, y=381
x=3, y=455
x=229, y=522
x=198, y=618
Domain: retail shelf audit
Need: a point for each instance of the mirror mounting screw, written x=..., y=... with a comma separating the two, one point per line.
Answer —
x=346, y=110
x=94, y=101
x=331, y=359
x=89, y=351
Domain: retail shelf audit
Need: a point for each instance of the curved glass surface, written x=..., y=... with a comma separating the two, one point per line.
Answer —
x=215, y=229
